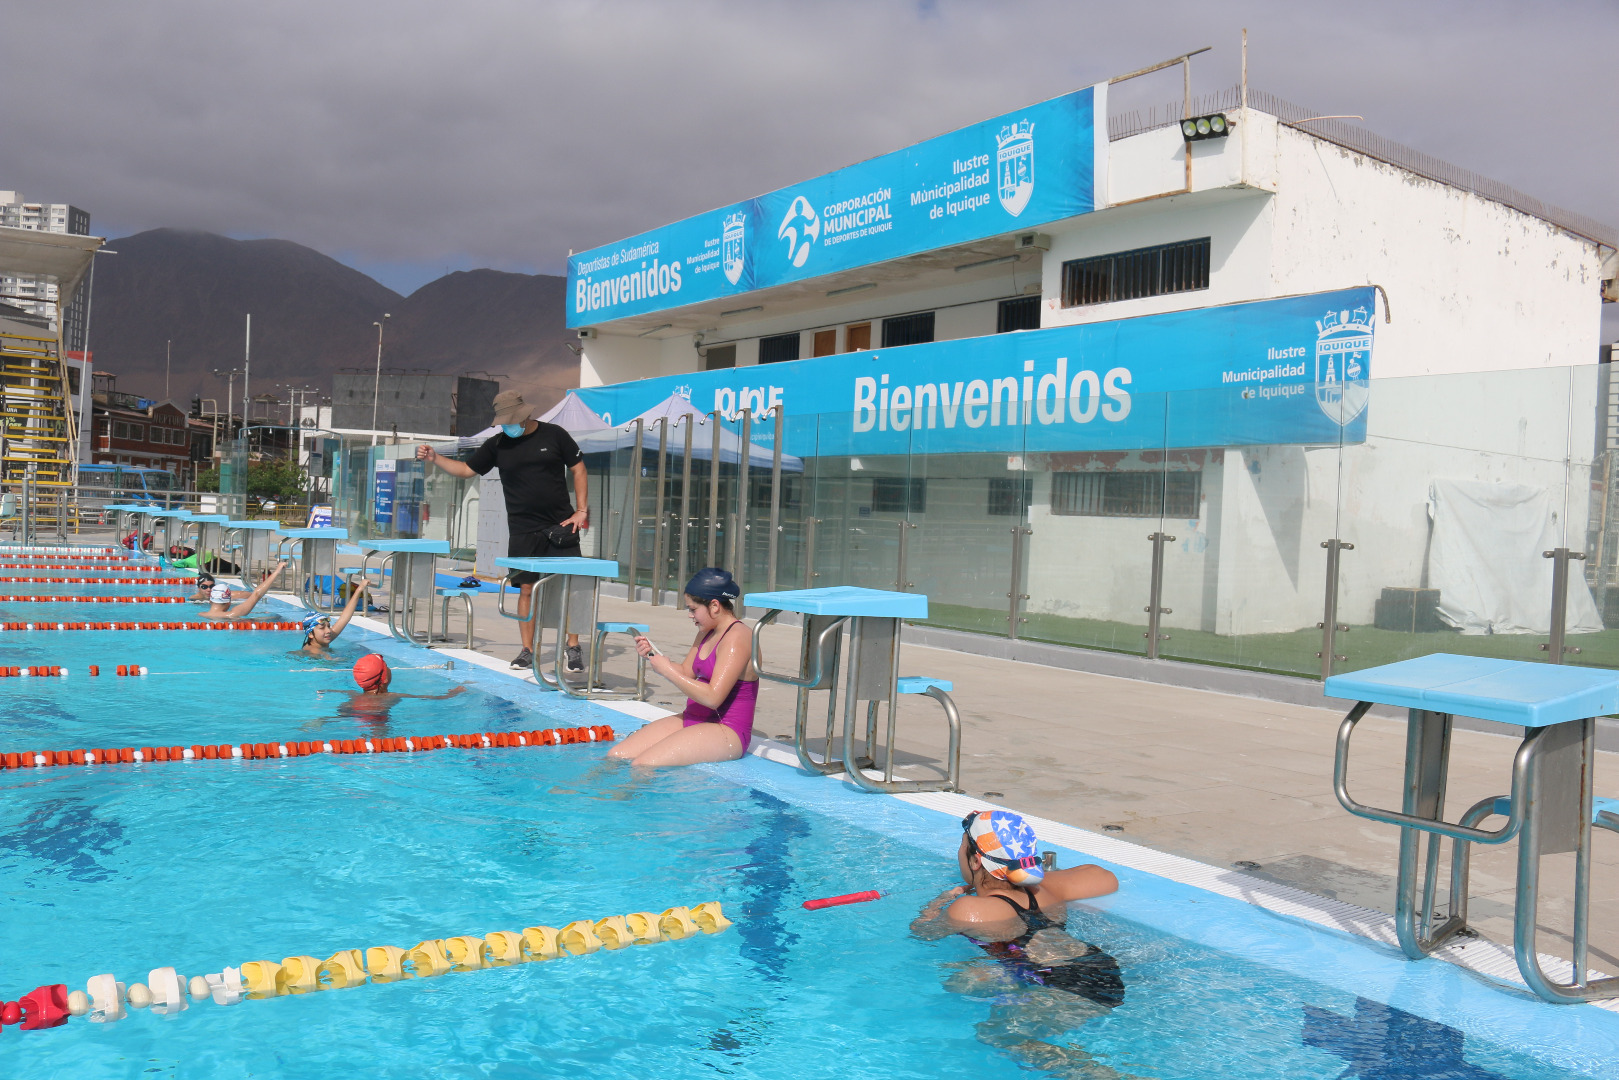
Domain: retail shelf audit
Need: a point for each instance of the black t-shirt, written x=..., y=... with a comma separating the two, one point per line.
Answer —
x=533, y=475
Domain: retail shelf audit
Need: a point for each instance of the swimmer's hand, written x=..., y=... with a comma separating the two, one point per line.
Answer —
x=644, y=646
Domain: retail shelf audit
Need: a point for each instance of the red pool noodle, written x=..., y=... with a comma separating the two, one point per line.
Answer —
x=846, y=898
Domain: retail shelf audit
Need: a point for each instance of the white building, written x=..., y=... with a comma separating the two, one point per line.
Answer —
x=1485, y=306
x=30, y=293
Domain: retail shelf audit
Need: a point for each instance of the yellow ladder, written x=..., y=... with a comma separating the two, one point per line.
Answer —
x=38, y=429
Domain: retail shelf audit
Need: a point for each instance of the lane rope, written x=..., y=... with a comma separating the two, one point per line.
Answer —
x=482, y=740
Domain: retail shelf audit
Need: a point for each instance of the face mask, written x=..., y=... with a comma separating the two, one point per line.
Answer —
x=512, y=430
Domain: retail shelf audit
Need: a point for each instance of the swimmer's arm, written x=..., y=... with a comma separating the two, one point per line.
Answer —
x=681, y=674
x=729, y=666
x=929, y=925
x=1081, y=882
x=355, y=594
x=454, y=690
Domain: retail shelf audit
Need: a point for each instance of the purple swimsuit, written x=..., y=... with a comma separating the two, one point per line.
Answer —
x=736, y=711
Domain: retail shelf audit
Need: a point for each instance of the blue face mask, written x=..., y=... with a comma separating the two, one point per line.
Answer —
x=512, y=430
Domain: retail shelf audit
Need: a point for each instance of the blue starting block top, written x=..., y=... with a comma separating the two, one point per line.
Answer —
x=315, y=534
x=255, y=523
x=573, y=567
x=166, y=513
x=844, y=600
x=414, y=547
x=1508, y=691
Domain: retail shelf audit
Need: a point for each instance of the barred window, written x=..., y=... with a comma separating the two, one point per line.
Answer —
x=1008, y=495
x=1127, y=494
x=908, y=330
x=1131, y=275
x=899, y=495
x=1020, y=314
x=774, y=350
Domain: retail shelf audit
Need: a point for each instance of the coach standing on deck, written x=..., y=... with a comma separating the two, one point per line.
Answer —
x=534, y=459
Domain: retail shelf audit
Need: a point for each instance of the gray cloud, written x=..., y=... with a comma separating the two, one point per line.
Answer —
x=406, y=137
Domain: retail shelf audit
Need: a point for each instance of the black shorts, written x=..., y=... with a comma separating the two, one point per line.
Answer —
x=535, y=545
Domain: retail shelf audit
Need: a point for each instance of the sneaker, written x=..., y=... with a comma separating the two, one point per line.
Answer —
x=524, y=659
x=576, y=658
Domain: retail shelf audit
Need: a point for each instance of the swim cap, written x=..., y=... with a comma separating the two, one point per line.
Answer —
x=370, y=671
x=1006, y=843
x=712, y=583
x=219, y=594
x=314, y=619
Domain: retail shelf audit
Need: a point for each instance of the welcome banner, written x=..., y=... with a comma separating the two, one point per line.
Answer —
x=1294, y=370
x=1021, y=170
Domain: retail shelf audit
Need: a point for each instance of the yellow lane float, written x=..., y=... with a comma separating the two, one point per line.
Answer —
x=165, y=990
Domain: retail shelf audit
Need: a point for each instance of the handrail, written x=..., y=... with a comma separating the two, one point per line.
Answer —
x=1340, y=787
x=803, y=683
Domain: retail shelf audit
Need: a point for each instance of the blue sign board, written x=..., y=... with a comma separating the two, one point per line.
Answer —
x=1021, y=170
x=1295, y=370
x=383, y=509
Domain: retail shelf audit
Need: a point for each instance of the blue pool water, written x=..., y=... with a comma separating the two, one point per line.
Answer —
x=199, y=865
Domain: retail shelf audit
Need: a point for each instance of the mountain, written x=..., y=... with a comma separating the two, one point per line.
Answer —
x=311, y=316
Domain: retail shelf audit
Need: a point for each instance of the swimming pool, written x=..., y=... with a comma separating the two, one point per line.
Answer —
x=205, y=864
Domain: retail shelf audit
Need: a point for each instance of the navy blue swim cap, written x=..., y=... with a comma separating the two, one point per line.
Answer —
x=712, y=583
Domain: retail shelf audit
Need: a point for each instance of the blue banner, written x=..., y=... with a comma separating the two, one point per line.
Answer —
x=1018, y=171
x=1291, y=371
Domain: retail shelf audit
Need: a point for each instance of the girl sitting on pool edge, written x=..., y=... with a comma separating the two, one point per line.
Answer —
x=720, y=684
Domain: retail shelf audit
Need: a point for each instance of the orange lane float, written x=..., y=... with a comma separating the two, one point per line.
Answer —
x=128, y=755
x=96, y=599
x=85, y=567
x=97, y=580
x=237, y=624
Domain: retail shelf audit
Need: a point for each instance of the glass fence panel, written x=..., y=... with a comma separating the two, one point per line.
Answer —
x=967, y=517
x=1591, y=480
x=1244, y=566
x=797, y=532
x=1457, y=489
x=1090, y=516
x=855, y=543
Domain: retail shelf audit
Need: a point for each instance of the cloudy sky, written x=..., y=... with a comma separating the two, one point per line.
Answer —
x=408, y=138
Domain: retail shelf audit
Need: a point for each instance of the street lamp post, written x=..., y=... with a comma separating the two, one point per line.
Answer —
x=376, y=385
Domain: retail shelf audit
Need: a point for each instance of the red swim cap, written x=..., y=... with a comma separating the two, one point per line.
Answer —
x=370, y=671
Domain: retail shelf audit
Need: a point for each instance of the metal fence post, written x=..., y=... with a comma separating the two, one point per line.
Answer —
x=1016, y=596
x=685, y=504
x=739, y=532
x=714, y=494
x=775, y=503
x=809, y=551
x=901, y=572
x=1329, y=626
x=1561, y=557
x=1154, y=609
x=633, y=513
x=660, y=568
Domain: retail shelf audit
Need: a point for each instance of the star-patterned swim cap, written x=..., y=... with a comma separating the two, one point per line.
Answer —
x=1007, y=844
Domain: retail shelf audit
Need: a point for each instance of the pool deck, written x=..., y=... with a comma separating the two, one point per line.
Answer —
x=1212, y=777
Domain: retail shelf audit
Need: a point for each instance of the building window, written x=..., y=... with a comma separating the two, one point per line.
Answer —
x=774, y=350
x=1008, y=495
x=1020, y=314
x=1131, y=275
x=719, y=356
x=899, y=495
x=791, y=493
x=1127, y=494
x=908, y=330
x=122, y=430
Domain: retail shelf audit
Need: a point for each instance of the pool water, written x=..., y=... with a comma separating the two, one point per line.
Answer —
x=205, y=864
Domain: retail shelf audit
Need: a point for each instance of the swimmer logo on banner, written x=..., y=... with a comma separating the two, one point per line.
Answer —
x=1270, y=372
x=1021, y=170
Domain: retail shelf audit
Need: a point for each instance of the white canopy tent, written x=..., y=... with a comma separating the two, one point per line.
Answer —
x=679, y=410
x=570, y=414
x=61, y=258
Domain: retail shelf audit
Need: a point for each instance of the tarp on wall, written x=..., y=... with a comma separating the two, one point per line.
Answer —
x=1488, y=564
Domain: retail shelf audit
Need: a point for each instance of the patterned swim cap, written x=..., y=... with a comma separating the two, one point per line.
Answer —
x=314, y=619
x=1006, y=843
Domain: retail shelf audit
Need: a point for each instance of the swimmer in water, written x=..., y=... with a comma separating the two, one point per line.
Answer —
x=1043, y=982
x=220, y=598
x=319, y=629
x=372, y=701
